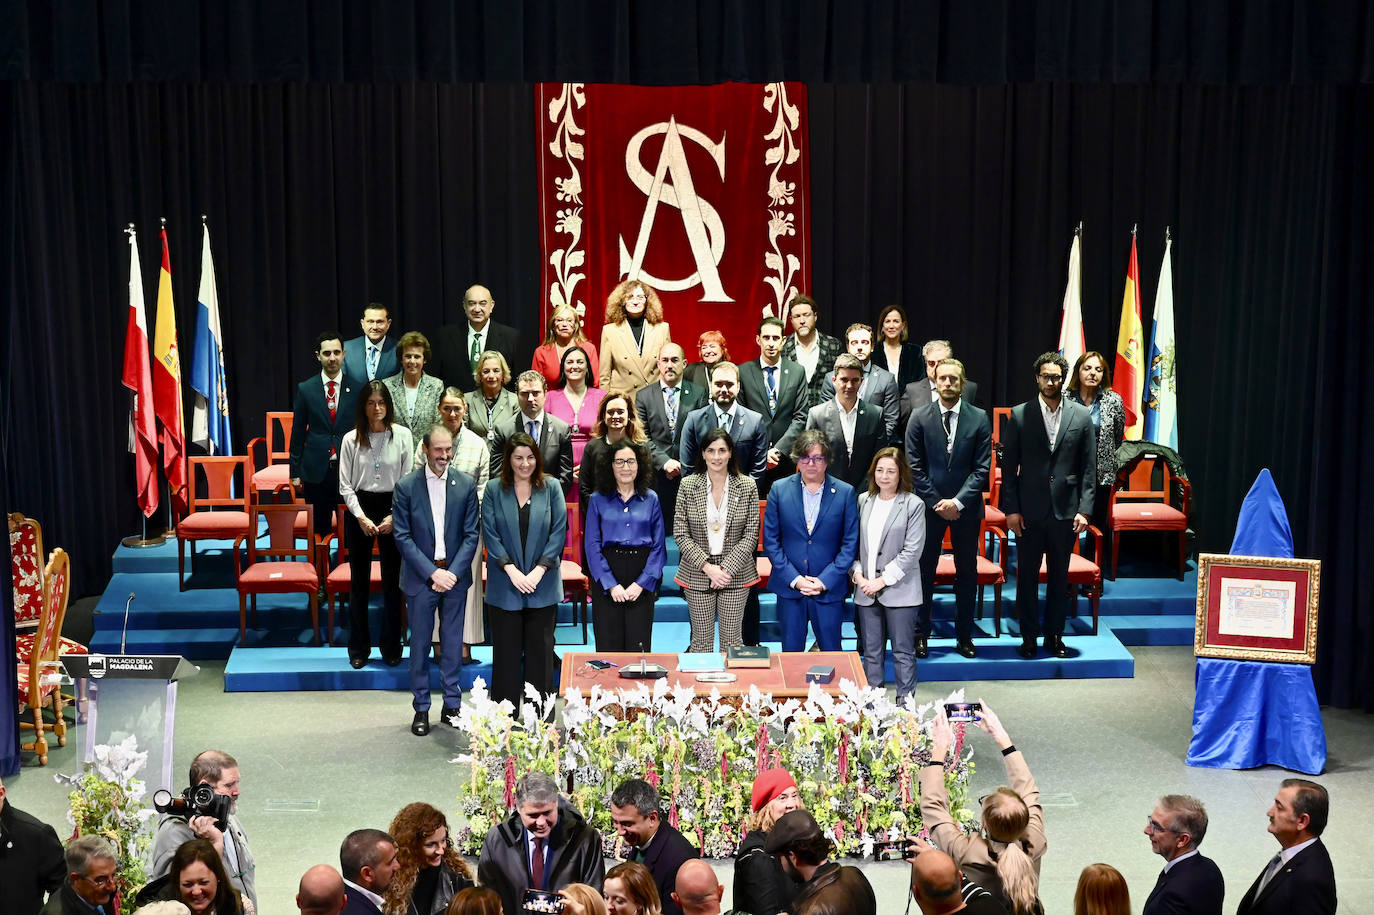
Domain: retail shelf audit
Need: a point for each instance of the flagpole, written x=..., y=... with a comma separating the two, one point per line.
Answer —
x=136, y=541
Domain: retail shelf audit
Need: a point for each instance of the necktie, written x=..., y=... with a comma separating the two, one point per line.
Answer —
x=949, y=419
x=330, y=400
x=476, y=349
x=671, y=395
x=772, y=383
x=371, y=362
x=537, y=863
x=532, y=426
x=725, y=421
x=1275, y=863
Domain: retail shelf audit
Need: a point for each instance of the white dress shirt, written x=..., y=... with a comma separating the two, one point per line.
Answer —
x=1052, y=418
x=438, y=505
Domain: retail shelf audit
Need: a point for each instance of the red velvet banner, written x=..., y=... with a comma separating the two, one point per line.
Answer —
x=699, y=191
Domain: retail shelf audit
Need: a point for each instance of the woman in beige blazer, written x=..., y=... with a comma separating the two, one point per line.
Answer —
x=716, y=526
x=634, y=333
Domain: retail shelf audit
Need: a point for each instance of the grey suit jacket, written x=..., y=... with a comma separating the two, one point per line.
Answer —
x=665, y=442
x=555, y=446
x=426, y=412
x=898, y=550
x=741, y=530
x=785, y=422
x=880, y=389
x=507, y=405
x=850, y=466
x=1040, y=482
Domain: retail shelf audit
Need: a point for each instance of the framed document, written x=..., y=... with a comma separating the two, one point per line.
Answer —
x=1256, y=608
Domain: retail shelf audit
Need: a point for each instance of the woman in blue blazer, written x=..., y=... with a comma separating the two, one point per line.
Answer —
x=524, y=525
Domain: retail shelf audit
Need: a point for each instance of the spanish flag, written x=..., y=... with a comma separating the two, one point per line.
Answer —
x=167, y=388
x=1129, y=374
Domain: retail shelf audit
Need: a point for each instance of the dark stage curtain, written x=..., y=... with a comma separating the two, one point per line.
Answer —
x=957, y=202
x=1207, y=42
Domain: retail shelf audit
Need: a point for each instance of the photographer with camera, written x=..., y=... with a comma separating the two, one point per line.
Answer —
x=208, y=815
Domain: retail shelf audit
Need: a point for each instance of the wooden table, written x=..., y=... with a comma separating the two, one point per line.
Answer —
x=784, y=677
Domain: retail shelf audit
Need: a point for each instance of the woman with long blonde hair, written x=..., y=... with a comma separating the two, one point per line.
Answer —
x=431, y=871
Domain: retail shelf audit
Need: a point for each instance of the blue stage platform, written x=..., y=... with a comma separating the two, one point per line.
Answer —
x=1147, y=605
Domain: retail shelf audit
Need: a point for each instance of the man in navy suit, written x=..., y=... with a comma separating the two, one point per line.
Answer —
x=663, y=407
x=1048, y=474
x=853, y=428
x=775, y=388
x=1189, y=884
x=877, y=385
x=923, y=390
x=811, y=535
x=372, y=357
x=637, y=812
x=324, y=409
x=368, y=861
x=949, y=448
x=746, y=427
x=1300, y=877
x=427, y=500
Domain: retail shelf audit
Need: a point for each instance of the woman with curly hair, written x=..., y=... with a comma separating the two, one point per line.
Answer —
x=761, y=886
x=630, y=890
x=431, y=872
x=634, y=333
x=625, y=548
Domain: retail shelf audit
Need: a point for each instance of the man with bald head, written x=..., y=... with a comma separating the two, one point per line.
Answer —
x=939, y=887
x=696, y=890
x=321, y=891
x=457, y=345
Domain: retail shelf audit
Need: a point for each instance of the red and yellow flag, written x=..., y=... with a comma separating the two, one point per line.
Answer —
x=1129, y=373
x=167, y=387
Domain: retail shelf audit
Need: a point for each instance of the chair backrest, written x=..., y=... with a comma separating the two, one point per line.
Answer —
x=1136, y=479
x=213, y=483
x=572, y=544
x=278, y=423
x=281, y=532
x=26, y=570
x=54, y=608
x=1000, y=415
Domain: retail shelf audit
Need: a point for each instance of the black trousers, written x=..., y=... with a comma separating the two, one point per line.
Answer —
x=521, y=650
x=376, y=506
x=666, y=489
x=1052, y=540
x=324, y=497
x=626, y=626
x=963, y=538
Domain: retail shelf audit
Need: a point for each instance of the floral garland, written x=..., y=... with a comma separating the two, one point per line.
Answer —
x=855, y=756
x=110, y=800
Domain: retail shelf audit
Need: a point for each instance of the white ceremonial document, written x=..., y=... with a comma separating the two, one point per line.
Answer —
x=1257, y=608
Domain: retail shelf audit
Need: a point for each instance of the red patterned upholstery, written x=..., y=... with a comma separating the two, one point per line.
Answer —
x=214, y=512
x=281, y=567
x=26, y=570
x=34, y=693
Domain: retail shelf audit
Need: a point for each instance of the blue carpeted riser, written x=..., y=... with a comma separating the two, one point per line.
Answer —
x=1152, y=630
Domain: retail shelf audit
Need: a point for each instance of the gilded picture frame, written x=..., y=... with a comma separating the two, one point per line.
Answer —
x=1257, y=608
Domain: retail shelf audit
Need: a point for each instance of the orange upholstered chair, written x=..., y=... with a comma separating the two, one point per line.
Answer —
x=990, y=571
x=762, y=563
x=38, y=674
x=1137, y=505
x=214, y=512
x=281, y=567
x=1084, y=573
x=576, y=585
x=275, y=445
x=26, y=571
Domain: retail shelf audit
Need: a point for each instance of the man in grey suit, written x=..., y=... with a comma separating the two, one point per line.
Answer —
x=949, y=449
x=1048, y=475
x=552, y=434
x=878, y=386
x=746, y=427
x=662, y=408
x=776, y=388
x=853, y=427
x=924, y=391
x=373, y=356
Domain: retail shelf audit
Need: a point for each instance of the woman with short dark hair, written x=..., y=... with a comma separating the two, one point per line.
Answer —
x=625, y=548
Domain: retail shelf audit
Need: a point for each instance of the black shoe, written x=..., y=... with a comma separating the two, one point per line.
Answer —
x=1027, y=649
x=922, y=649
x=391, y=660
x=1058, y=648
x=966, y=649
x=470, y=660
x=358, y=663
x=449, y=716
x=420, y=725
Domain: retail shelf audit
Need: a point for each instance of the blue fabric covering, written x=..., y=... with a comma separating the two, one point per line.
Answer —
x=1257, y=713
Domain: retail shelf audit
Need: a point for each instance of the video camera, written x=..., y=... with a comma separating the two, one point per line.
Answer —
x=195, y=801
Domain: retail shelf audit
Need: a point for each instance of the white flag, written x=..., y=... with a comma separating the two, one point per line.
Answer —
x=1161, y=399
x=1071, y=343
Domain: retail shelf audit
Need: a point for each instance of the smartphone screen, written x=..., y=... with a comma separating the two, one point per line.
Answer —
x=962, y=711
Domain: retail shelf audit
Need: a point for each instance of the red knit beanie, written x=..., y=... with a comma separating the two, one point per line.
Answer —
x=769, y=784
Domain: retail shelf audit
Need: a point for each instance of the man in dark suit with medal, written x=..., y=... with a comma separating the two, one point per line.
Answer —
x=457, y=346
x=949, y=448
x=323, y=411
x=663, y=408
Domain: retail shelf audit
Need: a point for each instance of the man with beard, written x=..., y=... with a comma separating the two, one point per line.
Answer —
x=877, y=386
x=663, y=407
x=828, y=887
x=746, y=428
x=368, y=861
x=814, y=351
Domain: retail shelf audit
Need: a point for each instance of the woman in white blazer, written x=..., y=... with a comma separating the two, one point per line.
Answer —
x=886, y=573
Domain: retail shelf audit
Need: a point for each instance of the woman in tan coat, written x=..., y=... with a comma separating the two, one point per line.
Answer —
x=634, y=333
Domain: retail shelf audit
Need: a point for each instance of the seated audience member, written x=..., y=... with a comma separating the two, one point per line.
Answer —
x=581, y=899
x=1004, y=858
x=321, y=892
x=368, y=860
x=853, y=428
x=31, y=863
x=1190, y=884
x=711, y=351
x=90, y=882
x=811, y=535
x=1101, y=890
x=761, y=887
x=876, y=385
x=662, y=409
x=577, y=404
x=197, y=879
x=431, y=871
x=636, y=811
x=163, y=907
x=553, y=436
x=939, y=887
x=828, y=887
x=1300, y=877
x=901, y=359
x=1090, y=383
x=632, y=337
x=625, y=548
x=697, y=891
x=414, y=392
x=545, y=845
x=808, y=347
x=220, y=771
x=491, y=403
x=565, y=331
x=629, y=890
x=475, y=900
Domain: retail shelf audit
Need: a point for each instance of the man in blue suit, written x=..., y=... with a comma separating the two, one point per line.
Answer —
x=324, y=409
x=372, y=357
x=811, y=535
x=746, y=427
x=949, y=448
x=436, y=571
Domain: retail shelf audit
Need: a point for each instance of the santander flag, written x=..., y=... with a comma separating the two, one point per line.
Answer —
x=210, y=410
x=167, y=387
x=1129, y=374
x=139, y=380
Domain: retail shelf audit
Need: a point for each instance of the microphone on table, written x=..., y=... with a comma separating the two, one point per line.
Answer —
x=125, y=633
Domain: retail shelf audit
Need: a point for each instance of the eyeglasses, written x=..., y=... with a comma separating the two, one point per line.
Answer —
x=812, y=459
x=625, y=462
x=1055, y=378
x=1152, y=826
x=105, y=880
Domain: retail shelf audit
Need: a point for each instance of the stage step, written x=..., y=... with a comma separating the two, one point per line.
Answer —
x=1152, y=630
